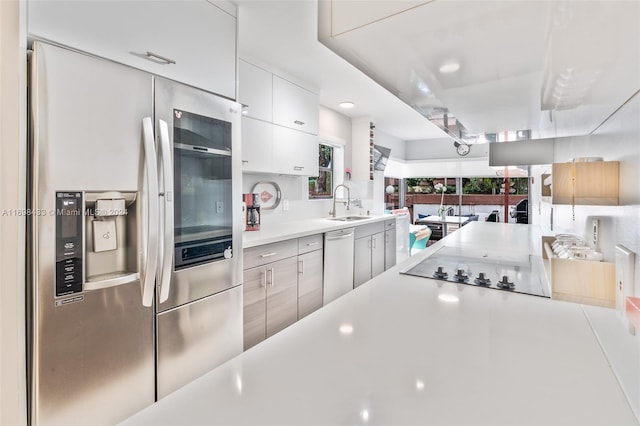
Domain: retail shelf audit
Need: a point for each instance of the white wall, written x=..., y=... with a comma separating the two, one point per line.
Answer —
x=397, y=146
x=617, y=140
x=12, y=228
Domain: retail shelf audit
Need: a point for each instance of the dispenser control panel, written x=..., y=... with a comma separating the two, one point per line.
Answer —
x=69, y=253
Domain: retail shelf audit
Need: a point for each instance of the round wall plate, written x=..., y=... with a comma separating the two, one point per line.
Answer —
x=269, y=194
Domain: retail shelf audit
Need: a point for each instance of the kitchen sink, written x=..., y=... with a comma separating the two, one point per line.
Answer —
x=350, y=218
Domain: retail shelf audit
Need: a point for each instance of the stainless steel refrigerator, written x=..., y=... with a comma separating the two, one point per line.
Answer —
x=135, y=240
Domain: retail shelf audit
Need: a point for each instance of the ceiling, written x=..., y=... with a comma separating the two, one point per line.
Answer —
x=557, y=68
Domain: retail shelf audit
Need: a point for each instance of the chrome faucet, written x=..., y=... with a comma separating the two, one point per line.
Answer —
x=333, y=210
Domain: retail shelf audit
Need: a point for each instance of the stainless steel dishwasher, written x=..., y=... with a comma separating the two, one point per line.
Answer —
x=338, y=264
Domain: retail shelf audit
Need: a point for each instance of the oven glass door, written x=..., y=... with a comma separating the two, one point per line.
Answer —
x=202, y=186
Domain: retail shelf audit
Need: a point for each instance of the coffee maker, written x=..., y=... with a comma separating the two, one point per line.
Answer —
x=252, y=213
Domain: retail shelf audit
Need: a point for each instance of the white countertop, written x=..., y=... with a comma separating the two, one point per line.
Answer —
x=296, y=229
x=398, y=350
x=447, y=219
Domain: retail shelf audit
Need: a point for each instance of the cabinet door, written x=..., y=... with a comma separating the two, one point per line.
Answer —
x=377, y=253
x=255, y=91
x=389, y=249
x=257, y=146
x=295, y=153
x=309, y=282
x=197, y=37
x=295, y=107
x=282, y=294
x=254, y=305
x=362, y=261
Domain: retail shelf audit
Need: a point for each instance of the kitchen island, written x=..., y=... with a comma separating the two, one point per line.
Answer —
x=401, y=349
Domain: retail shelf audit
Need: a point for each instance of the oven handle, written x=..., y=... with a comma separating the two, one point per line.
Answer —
x=150, y=164
x=166, y=258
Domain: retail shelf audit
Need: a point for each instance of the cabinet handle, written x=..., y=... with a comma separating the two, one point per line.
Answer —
x=272, y=277
x=299, y=123
x=245, y=161
x=386, y=238
x=162, y=58
x=268, y=254
x=374, y=242
x=313, y=244
x=264, y=279
x=298, y=167
x=369, y=243
x=301, y=267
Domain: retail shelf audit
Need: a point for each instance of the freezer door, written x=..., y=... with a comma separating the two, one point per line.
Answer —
x=197, y=337
x=202, y=229
x=91, y=352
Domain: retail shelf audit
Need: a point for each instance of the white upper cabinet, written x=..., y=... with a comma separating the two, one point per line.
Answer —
x=294, y=107
x=255, y=91
x=294, y=152
x=193, y=42
x=257, y=146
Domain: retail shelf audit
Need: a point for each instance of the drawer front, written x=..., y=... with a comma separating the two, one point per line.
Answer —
x=261, y=255
x=310, y=243
x=370, y=229
x=389, y=224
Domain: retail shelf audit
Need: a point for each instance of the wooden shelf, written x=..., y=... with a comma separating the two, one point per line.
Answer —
x=596, y=183
x=580, y=281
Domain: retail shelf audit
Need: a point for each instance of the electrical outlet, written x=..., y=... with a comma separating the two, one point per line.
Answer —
x=219, y=205
x=625, y=269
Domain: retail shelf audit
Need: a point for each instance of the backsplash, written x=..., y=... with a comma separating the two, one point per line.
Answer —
x=294, y=189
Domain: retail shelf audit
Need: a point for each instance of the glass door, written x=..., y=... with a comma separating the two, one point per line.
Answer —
x=203, y=188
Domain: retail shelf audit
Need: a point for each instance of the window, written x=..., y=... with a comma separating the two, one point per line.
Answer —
x=321, y=186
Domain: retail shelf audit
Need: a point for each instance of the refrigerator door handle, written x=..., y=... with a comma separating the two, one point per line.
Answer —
x=166, y=259
x=150, y=165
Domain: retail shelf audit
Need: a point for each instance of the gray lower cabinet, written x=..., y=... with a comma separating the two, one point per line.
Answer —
x=389, y=244
x=368, y=258
x=374, y=251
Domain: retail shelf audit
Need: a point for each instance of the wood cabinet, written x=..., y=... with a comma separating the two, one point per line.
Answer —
x=295, y=107
x=310, y=274
x=192, y=42
x=270, y=299
x=586, y=183
x=579, y=281
x=282, y=124
x=270, y=290
x=282, y=283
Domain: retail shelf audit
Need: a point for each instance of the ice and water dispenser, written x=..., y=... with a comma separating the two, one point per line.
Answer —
x=100, y=245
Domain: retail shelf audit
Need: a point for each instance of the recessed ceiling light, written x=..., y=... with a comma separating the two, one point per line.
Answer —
x=347, y=104
x=449, y=67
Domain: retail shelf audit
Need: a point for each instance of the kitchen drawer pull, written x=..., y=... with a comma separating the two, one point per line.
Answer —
x=299, y=123
x=301, y=267
x=268, y=254
x=264, y=279
x=313, y=244
x=245, y=161
x=298, y=167
x=272, y=277
x=162, y=58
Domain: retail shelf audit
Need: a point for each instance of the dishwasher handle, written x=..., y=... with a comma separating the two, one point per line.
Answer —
x=339, y=235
